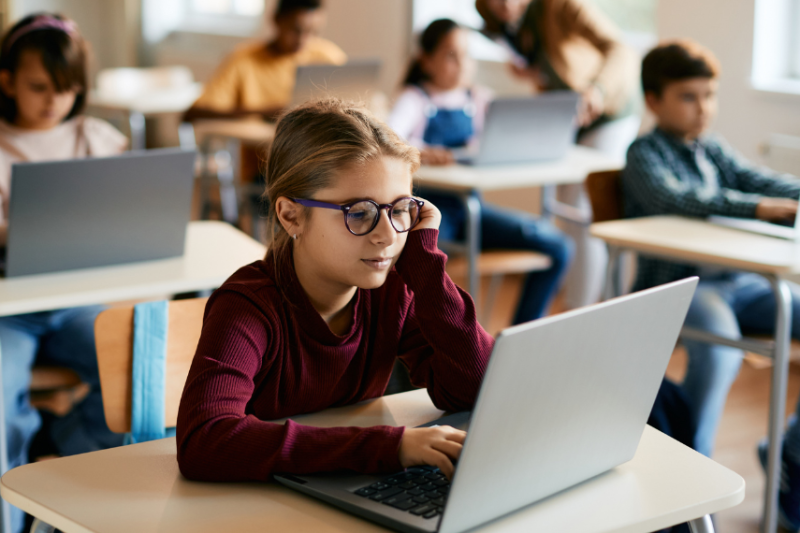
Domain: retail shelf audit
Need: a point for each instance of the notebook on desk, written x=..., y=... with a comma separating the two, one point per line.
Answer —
x=85, y=213
x=525, y=130
x=554, y=410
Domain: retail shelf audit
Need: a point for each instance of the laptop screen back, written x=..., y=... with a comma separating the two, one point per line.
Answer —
x=87, y=213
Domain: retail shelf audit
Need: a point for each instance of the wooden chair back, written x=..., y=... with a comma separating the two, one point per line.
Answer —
x=605, y=194
x=113, y=333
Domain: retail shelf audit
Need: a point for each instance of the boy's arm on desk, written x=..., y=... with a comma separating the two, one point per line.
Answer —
x=649, y=181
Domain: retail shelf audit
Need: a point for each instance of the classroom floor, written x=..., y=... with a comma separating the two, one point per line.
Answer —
x=743, y=425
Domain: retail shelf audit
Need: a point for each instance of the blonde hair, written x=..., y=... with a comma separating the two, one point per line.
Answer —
x=315, y=140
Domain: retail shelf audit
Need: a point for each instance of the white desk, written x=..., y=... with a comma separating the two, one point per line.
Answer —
x=139, y=489
x=694, y=241
x=150, y=103
x=214, y=251
x=467, y=180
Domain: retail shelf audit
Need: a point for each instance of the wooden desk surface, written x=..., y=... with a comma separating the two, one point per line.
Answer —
x=573, y=168
x=214, y=251
x=248, y=131
x=139, y=489
x=156, y=102
x=694, y=240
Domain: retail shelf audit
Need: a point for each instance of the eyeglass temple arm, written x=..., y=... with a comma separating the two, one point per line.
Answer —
x=314, y=203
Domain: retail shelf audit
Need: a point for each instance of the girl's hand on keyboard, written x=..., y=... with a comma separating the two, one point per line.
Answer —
x=436, y=446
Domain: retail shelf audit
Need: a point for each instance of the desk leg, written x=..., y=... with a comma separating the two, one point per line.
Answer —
x=228, y=198
x=612, y=284
x=473, y=233
x=701, y=525
x=777, y=400
x=41, y=527
x=136, y=123
x=548, y=198
x=5, y=508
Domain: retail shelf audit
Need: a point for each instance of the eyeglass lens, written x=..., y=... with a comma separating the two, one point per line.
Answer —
x=363, y=216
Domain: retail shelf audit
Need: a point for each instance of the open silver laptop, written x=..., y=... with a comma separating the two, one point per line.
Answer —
x=525, y=130
x=790, y=233
x=95, y=212
x=354, y=81
x=564, y=399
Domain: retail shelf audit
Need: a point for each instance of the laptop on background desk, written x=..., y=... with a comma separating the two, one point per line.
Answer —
x=356, y=81
x=93, y=212
x=554, y=410
x=525, y=129
x=762, y=227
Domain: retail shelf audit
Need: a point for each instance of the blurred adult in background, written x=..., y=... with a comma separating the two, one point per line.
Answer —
x=570, y=45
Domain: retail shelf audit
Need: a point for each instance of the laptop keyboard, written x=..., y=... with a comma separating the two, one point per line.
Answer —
x=420, y=490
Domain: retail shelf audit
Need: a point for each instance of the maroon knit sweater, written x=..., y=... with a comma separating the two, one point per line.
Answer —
x=261, y=357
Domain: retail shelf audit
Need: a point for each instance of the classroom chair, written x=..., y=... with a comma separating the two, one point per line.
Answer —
x=497, y=268
x=116, y=334
x=164, y=335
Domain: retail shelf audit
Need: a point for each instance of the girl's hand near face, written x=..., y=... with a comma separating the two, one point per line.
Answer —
x=429, y=217
x=436, y=156
x=437, y=446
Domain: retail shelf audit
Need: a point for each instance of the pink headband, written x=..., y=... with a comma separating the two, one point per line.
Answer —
x=43, y=22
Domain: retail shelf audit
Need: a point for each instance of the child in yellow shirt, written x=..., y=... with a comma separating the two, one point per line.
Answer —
x=259, y=78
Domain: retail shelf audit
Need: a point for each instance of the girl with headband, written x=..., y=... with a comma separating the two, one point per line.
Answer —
x=43, y=85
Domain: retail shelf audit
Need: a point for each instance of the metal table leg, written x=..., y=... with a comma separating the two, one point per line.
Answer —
x=5, y=508
x=473, y=234
x=777, y=399
x=612, y=288
x=701, y=525
x=136, y=123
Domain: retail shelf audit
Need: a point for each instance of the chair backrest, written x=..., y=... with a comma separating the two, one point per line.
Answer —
x=130, y=82
x=605, y=194
x=113, y=332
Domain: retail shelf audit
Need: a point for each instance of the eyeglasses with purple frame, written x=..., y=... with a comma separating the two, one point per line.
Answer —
x=348, y=208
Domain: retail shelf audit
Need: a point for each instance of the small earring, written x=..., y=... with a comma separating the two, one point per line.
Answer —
x=294, y=236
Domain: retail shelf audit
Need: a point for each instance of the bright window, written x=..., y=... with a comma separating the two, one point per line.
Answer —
x=776, y=46
x=795, y=37
x=228, y=7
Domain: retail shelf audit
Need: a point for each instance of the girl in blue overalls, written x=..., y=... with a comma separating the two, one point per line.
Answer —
x=438, y=111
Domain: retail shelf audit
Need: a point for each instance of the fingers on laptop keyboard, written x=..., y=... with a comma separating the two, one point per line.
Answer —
x=419, y=490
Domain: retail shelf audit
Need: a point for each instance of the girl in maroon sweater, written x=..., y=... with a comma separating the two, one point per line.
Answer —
x=352, y=280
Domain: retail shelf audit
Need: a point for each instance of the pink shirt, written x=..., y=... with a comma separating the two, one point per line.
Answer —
x=78, y=137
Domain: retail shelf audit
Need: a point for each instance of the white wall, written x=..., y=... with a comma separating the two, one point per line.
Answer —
x=747, y=117
x=373, y=28
x=109, y=25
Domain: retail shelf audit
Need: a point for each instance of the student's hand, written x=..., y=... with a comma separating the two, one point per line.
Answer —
x=776, y=209
x=436, y=156
x=436, y=446
x=591, y=106
x=429, y=218
x=527, y=74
